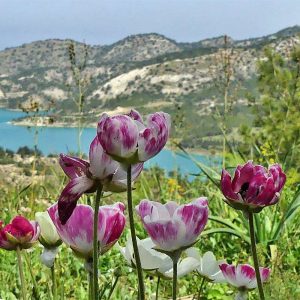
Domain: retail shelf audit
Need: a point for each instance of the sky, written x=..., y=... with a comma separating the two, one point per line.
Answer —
x=99, y=22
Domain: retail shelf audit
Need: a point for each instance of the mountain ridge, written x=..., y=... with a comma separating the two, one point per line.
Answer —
x=143, y=71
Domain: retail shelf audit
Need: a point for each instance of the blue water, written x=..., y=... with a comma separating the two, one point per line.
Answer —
x=63, y=140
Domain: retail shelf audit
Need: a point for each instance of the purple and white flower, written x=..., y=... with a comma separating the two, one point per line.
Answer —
x=253, y=186
x=243, y=276
x=78, y=230
x=128, y=140
x=85, y=177
x=172, y=226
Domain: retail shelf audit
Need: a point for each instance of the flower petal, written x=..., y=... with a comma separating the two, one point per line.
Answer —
x=194, y=216
x=101, y=164
x=243, y=174
x=70, y=194
x=111, y=225
x=77, y=232
x=135, y=115
x=226, y=186
x=118, y=135
x=154, y=137
x=278, y=176
x=73, y=166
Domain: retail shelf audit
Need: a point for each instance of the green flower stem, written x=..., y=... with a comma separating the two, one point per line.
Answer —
x=113, y=287
x=95, y=244
x=91, y=278
x=54, y=286
x=21, y=273
x=133, y=237
x=200, y=289
x=255, y=258
x=174, y=290
x=35, y=286
x=157, y=288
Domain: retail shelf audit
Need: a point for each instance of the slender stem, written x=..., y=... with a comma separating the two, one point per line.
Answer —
x=157, y=288
x=95, y=243
x=54, y=287
x=21, y=273
x=255, y=259
x=35, y=287
x=174, y=291
x=113, y=287
x=133, y=237
x=200, y=289
x=90, y=275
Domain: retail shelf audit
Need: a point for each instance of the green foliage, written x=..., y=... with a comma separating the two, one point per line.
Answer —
x=276, y=134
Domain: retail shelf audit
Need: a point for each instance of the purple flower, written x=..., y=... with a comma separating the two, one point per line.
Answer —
x=172, y=226
x=253, y=187
x=128, y=140
x=243, y=276
x=78, y=231
x=20, y=232
x=87, y=176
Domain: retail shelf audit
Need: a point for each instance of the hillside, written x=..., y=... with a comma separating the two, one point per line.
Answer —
x=148, y=71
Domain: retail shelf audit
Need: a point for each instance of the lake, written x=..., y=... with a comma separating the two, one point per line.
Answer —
x=63, y=140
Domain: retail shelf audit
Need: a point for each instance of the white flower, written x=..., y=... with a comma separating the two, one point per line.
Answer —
x=208, y=265
x=49, y=237
x=156, y=262
x=48, y=256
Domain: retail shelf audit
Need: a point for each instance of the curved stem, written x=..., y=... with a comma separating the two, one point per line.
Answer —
x=174, y=290
x=54, y=287
x=95, y=244
x=113, y=287
x=200, y=289
x=21, y=273
x=255, y=258
x=157, y=288
x=133, y=237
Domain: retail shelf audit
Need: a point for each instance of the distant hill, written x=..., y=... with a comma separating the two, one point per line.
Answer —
x=148, y=71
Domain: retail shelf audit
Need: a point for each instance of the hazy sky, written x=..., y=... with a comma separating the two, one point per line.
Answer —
x=106, y=21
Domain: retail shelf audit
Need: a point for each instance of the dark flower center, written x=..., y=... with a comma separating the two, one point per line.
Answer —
x=244, y=189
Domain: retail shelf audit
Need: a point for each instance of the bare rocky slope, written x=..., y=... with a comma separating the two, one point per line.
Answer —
x=144, y=71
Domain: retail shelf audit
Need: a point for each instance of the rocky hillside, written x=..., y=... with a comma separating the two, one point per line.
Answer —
x=145, y=71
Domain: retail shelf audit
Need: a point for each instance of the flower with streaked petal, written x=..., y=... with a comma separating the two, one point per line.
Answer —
x=86, y=177
x=78, y=230
x=243, y=276
x=253, y=187
x=156, y=263
x=172, y=226
x=128, y=140
x=208, y=265
x=20, y=232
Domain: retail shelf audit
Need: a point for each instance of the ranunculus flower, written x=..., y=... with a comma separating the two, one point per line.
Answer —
x=157, y=263
x=86, y=177
x=78, y=231
x=128, y=140
x=253, y=186
x=172, y=226
x=208, y=265
x=19, y=233
x=243, y=276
